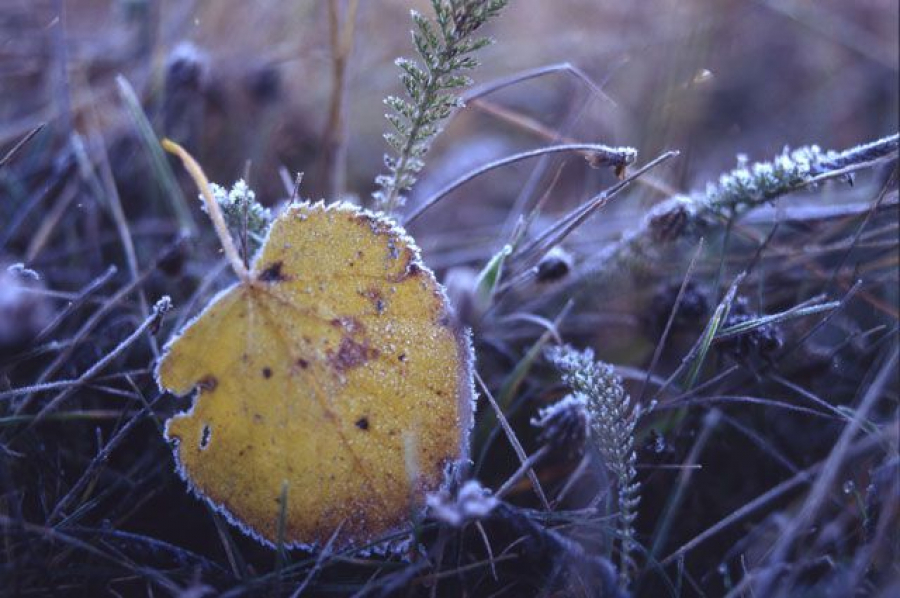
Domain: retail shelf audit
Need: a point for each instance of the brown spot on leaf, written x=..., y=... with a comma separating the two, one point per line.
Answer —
x=272, y=273
x=352, y=354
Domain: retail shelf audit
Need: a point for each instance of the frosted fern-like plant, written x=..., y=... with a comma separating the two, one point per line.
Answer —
x=612, y=422
x=243, y=214
x=446, y=47
x=751, y=185
x=736, y=192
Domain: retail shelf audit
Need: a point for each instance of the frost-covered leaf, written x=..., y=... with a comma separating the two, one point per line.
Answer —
x=333, y=371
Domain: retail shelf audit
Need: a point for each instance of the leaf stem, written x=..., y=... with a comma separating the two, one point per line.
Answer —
x=212, y=207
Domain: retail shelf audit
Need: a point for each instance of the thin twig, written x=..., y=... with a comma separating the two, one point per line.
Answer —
x=75, y=303
x=334, y=153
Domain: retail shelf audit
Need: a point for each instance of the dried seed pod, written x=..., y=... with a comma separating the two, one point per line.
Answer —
x=694, y=305
x=554, y=266
x=758, y=343
x=669, y=221
x=565, y=426
x=186, y=84
x=187, y=67
x=264, y=84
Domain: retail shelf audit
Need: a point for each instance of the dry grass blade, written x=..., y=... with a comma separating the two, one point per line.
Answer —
x=161, y=168
x=153, y=321
x=830, y=470
x=604, y=153
x=20, y=144
x=517, y=446
x=565, y=225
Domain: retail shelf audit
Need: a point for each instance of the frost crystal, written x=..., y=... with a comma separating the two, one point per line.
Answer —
x=20, y=269
x=472, y=502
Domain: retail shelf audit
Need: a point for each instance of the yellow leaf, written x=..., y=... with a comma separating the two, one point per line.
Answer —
x=333, y=369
